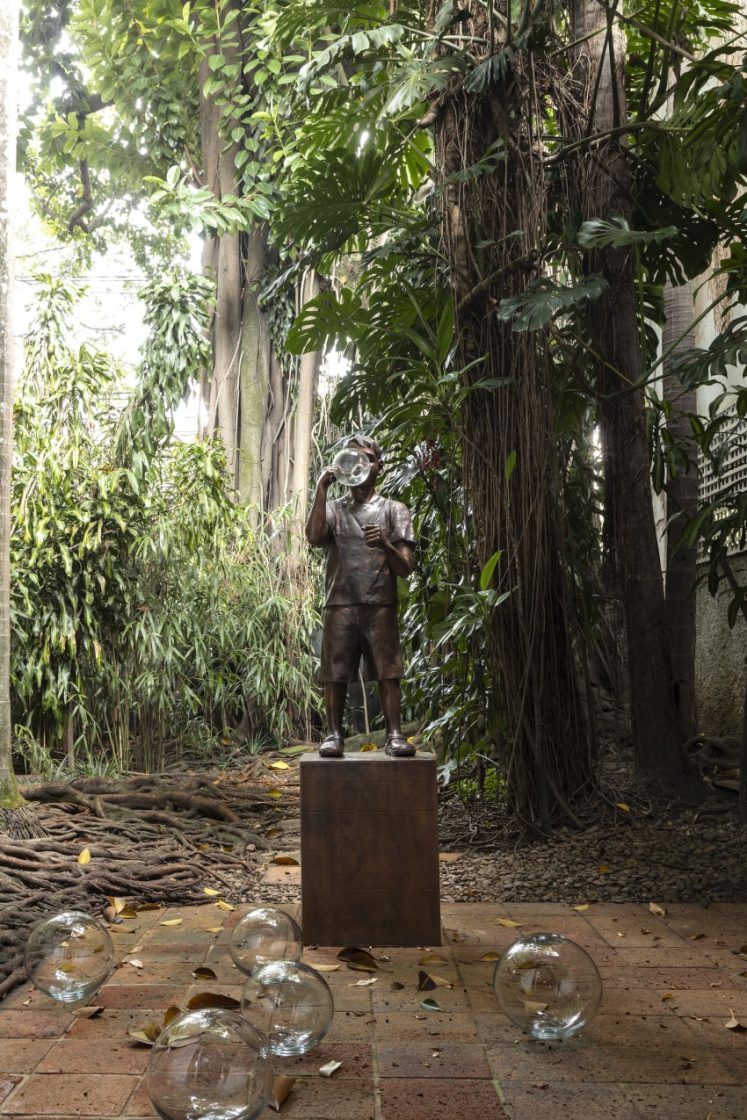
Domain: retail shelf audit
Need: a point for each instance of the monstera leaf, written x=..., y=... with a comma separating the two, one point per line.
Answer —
x=543, y=299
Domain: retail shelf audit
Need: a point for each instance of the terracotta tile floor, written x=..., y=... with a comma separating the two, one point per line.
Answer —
x=658, y=1049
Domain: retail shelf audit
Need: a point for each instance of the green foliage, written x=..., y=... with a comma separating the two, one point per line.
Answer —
x=145, y=603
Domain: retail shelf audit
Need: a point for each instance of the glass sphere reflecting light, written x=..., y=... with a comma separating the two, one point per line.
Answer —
x=290, y=1003
x=209, y=1065
x=351, y=467
x=263, y=936
x=69, y=956
x=548, y=986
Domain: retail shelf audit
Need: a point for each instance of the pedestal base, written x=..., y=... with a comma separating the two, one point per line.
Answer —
x=369, y=850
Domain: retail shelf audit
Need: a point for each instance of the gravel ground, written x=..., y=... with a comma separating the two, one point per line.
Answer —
x=640, y=852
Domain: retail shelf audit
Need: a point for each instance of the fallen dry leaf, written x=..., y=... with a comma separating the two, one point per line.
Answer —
x=604, y=869
x=659, y=911
x=202, y=972
x=582, y=906
x=491, y=956
x=733, y=1024
x=427, y=981
x=212, y=999
x=136, y=964
x=368, y=747
x=211, y=892
x=84, y=856
x=433, y=958
x=622, y=805
x=86, y=1012
x=279, y=766
x=364, y=983
x=171, y=922
x=430, y=1005
x=449, y=857
x=275, y=793
x=359, y=959
x=325, y=967
x=285, y=861
x=281, y=1087
x=329, y=1068
x=508, y=923
x=222, y=905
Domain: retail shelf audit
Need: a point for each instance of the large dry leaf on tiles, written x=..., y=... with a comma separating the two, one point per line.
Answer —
x=427, y=981
x=202, y=972
x=659, y=911
x=508, y=923
x=146, y=1035
x=357, y=958
x=84, y=856
x=213, y=999
x=433, y=958
x=86, y=1012
x=172, y=922
x=281, y=1087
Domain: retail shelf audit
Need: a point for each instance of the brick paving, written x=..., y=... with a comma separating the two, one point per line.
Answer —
x=658, y=1049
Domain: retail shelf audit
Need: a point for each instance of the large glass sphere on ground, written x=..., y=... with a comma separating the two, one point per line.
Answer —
x=209, y=1065
x=548, y=986
x=291, y=1004
x=263, y=936
x=69, y=956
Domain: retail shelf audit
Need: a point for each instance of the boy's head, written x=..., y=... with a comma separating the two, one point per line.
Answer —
x=370, y=446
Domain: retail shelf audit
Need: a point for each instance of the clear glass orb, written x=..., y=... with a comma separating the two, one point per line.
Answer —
x=351, y=467
x=209, y=1065
x=69, y=956
x=264, y=936
x=291, y=1004
x=548, y=986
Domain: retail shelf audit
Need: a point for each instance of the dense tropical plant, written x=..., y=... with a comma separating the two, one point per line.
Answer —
x=147, y=611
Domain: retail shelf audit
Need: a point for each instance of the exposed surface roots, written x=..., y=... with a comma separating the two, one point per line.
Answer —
x=151, y=838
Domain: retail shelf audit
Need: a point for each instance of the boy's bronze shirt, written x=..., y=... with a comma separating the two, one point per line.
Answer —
x=357, y=573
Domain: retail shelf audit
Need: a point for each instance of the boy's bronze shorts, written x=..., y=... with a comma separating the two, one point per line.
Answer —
x=362, y=630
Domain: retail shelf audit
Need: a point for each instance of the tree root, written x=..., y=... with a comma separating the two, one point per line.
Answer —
x=149, y=838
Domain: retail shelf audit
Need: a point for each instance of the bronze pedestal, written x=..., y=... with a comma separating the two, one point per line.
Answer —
x=369, y=850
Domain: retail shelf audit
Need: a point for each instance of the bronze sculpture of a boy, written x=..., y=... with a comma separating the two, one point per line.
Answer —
x=369, y=541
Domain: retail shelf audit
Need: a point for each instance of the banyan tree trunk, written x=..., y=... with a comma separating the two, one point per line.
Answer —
x=492, y=227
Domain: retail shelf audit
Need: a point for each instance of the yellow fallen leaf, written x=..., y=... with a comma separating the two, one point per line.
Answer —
x=368, y=747
x=136, y=964
x=667, y=995
x=433, y=958
x=491, y=956
x=325, y=967
x=281, y=1087
x=84, y=856
x=604, y=869
x=279, y=766
x=583, y=906
x=172, y=922
x=654, y=907
x=276, y=793
x=210, y=892
x=224, y=905
x=117, y=904
x=508, y=923
x=622, y=805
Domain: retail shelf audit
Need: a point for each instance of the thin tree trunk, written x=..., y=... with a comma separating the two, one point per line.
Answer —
x=601, y=188
x=682, y=502
x=256, y=358
x=9, y=796
x=308, y=379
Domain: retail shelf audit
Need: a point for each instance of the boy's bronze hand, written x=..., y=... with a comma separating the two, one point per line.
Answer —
x=374, y=537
